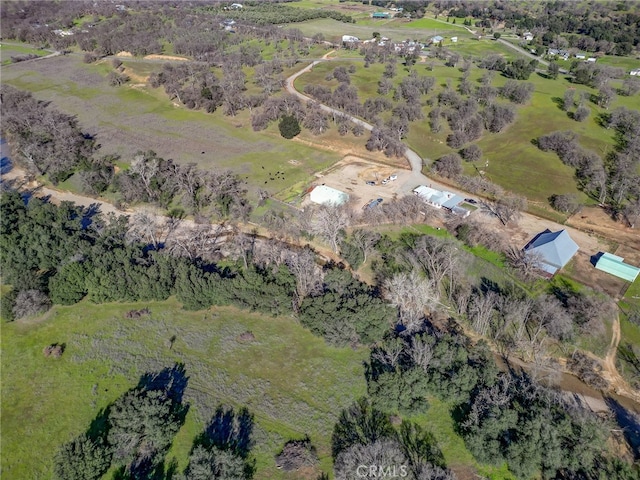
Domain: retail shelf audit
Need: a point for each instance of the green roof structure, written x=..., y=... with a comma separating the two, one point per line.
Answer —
x=615, y=266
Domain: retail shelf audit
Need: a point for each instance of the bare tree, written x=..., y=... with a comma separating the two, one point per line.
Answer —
x=30, y=302
x=365, y=241
x=148, y=227
x=308, y=274
x=412, y=294
x=330, y=222
x=481, y=311
x=421, y=350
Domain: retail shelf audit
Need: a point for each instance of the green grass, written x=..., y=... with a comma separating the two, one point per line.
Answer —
x=290, y=380
x=627, y=63
x=438, y=420
x=13, y=49
x=434, y=26
x=128, y=119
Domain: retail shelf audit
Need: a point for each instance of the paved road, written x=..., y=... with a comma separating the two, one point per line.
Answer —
x=522, y=51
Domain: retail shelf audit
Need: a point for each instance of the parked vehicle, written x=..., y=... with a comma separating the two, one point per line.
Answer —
x=370, y=182
x=385, y=181
x=373, y=203
x=471, y=201
x=393, y=177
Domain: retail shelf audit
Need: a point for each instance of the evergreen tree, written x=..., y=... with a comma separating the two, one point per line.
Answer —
x=82, y=459
x=289, y=126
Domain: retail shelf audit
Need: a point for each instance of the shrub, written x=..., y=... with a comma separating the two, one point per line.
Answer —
x=30, y=302
x=289, y=127
x=54, y=350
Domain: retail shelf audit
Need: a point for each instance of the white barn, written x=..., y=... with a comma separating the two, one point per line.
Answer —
x=324, y=195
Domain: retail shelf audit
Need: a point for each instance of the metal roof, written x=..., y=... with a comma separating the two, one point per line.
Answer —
x=615, y=266
x=555, y=248
x=328, y=196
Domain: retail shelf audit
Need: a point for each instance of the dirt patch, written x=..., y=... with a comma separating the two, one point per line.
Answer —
x=165, y=57
x=124, y=54
x=351, y=174
x=294, y=162
x=596, y=220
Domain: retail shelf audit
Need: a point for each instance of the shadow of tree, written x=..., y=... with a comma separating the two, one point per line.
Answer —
x=228, y=430
x=172, y=380
x=629, y=422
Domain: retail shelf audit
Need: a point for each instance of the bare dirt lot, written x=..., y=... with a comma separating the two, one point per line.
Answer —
x=351, y=174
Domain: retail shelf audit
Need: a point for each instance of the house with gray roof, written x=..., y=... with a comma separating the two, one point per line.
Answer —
x=554, y=249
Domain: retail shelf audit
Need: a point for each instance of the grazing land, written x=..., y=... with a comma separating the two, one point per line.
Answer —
x=292, y=382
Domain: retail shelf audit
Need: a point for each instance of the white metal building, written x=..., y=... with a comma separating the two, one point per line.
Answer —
x=328, y=196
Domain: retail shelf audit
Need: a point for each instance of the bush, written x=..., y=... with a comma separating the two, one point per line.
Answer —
x=581, y=113
x=54, y=350
x=30, y=302
x=297, y=454
x=289, y=127
x=471, y=153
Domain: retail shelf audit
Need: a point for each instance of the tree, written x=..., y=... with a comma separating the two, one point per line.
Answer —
x=412, y=294
x=497, y=35
x=553, y=70
x=30, y=302
x=360, y=424
x=142, y=424
x=581, y=113
x=381, y=456
x=289, y=126
x=214, y=463
x=507, y=208
x=449, y=166
x=82, y=459
x=471, y=153
x=566, y=203
x=329, y=222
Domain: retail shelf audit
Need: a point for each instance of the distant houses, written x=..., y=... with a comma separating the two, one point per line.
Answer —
x=380, y=15
x=528, y=36
x=441, y=199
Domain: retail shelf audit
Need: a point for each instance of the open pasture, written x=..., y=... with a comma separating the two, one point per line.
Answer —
x=8, y=50
x=135, y=117
x=292, y=382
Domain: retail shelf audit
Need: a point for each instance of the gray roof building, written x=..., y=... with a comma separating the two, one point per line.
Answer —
x=554, y=248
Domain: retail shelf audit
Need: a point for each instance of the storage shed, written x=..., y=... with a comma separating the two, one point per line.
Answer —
x=615, y=266
x=324, y=195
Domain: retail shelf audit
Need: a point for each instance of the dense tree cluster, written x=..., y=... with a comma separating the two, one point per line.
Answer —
x=364, y=436
x=48, y=140
x=613, y=182
x=277, y=14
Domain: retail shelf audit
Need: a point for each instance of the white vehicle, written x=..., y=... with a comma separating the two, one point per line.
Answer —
x=393, y=177
x=385, y=181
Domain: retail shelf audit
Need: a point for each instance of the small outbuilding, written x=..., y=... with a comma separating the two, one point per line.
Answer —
x=635, y=72
x=324, y=195
x=555, y=249
x=437, y=39
x=615, y=266
x=454, y=39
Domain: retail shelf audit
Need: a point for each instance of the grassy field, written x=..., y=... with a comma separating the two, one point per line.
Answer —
x=293, y=383
x=290, y=380
x=132, y=118
x=13, y=49
x=621, y=62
